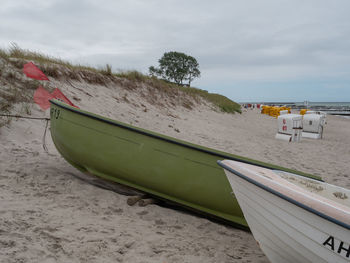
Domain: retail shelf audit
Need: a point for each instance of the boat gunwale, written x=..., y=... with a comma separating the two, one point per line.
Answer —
x=285, y=197
x=178, y=142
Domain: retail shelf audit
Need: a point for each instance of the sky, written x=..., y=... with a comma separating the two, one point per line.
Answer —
x=253, y=50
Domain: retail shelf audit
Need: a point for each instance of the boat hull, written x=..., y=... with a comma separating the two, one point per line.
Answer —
x=287, y=232
x=159, y=165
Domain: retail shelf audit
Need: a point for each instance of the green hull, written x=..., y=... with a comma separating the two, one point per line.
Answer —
x=172, y=169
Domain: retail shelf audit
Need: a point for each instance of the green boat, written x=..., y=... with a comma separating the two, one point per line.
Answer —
x=162, y=166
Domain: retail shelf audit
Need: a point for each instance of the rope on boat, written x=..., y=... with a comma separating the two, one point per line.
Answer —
x=32, y=118
x=23, y=117
x=44, y=137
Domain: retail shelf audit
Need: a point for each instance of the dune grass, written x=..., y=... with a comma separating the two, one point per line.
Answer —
x=15, y=52
x=132, y=75
x=56, y=68
x=222, y=102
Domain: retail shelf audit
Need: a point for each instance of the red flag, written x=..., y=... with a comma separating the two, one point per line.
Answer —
x=59, y=95
x=42, y=97
x=33, y=72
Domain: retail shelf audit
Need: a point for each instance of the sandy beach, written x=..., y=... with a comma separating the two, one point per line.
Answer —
x=49, y=215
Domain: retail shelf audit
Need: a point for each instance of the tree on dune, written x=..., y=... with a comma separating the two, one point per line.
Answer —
x=177, y=67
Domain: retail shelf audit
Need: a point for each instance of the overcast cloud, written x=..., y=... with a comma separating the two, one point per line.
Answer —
x=251, y=50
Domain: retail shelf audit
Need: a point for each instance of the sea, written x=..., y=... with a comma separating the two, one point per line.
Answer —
x=334, y=108
x=325, y=104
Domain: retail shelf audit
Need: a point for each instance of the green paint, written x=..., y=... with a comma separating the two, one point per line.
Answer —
x=163, y=166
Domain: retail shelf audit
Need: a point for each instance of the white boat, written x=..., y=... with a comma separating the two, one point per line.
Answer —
x=293, y=218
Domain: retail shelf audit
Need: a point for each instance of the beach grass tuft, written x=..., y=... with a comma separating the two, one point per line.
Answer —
x=132, y=75
x=107, y=70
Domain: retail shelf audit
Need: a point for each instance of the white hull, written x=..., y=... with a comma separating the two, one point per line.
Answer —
x=287, y=232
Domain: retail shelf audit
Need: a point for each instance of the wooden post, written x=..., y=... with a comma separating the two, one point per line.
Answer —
x=145, y=202
x=134, y=199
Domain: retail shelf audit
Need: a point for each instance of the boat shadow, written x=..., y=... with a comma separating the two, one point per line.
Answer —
x=138, y=196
